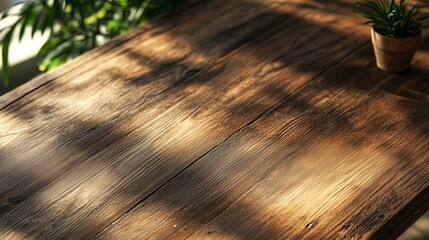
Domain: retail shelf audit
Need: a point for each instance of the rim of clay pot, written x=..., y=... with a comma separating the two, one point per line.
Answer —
x=395, y=44
x=409, y=37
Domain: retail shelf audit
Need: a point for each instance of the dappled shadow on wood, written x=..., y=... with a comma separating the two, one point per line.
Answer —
x=181, y=107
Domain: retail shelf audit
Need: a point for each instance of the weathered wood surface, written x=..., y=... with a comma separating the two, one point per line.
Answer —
x=225, y=119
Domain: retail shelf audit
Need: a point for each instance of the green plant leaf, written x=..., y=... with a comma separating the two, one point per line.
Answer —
x=77, y=25
x=5, y=56
x=392, y=18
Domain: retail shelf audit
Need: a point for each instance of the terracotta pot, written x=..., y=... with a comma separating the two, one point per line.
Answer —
x=394, y=54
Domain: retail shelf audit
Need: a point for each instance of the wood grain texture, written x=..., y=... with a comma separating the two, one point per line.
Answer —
x=342, y=158
x=91, y=141
x=89, y=101
x=95, y=94
x=123, y=125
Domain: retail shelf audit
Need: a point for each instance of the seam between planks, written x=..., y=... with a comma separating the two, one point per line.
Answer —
x=44, y=83
x=267, y=111
x=41, y=81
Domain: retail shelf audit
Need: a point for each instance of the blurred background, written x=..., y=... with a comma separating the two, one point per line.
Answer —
x=22, y=54
x=57, y=31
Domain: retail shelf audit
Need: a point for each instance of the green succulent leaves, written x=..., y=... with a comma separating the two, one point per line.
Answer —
x=75, y=26
x=391, y=17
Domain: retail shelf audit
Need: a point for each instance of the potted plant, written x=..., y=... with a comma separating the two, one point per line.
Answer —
x=396, y=31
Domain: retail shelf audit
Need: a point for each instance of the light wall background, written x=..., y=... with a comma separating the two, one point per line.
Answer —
x=22, y=54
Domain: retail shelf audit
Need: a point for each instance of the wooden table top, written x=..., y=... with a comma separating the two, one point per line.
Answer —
x=244, y=119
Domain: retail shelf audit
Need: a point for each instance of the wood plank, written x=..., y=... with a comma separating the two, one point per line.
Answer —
x=345, y=157
x=74, y=101
x=111, y=158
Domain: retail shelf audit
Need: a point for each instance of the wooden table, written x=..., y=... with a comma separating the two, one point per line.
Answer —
x=223, y=119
